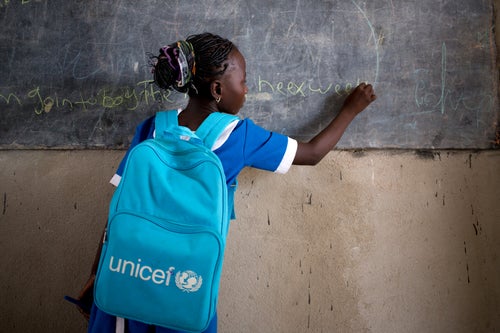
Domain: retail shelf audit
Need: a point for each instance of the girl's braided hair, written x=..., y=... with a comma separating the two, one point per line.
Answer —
x=189, y=66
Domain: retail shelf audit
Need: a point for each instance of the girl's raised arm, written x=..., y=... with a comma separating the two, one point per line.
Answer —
x=310, y=153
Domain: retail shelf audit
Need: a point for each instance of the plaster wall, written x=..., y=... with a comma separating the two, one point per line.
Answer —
x=375, y=241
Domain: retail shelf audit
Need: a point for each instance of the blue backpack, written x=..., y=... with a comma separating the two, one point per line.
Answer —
x=163, y=250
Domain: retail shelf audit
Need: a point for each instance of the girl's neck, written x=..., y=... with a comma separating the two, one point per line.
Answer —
x=196, y=111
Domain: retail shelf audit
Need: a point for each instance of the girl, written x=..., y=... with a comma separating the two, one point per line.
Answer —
x=212, y=71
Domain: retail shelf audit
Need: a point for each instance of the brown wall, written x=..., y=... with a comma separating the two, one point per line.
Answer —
x=376, y=241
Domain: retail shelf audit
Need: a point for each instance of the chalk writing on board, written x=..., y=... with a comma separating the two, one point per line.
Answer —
x=431, y=98
x=127, y=97
x=145, y=93
x=303, y=88
x=5, y=3
x=376, y=40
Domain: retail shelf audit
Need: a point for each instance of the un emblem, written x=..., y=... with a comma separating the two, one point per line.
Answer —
x=188, y=281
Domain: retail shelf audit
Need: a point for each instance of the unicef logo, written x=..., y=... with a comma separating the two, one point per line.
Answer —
x=188, y=281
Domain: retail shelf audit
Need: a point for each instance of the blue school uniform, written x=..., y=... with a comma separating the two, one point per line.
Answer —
x=242, y=144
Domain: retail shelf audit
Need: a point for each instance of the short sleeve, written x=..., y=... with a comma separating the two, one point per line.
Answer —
x=253, y=146
x=267, y=150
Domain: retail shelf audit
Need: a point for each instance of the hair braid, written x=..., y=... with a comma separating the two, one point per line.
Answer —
x=202, y=59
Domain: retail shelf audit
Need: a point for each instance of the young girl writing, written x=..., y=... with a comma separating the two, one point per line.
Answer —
x=212, y=71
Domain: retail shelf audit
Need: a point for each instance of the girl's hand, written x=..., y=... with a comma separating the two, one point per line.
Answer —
x=362, y=96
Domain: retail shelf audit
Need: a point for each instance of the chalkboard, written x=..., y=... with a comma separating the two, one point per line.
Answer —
x=74, y=74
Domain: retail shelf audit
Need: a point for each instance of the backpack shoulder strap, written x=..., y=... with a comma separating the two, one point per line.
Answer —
x=212, y=127
x=165, y=120
x=167, y=126
x=208, y=132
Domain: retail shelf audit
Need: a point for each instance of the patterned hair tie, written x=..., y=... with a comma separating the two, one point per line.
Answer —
x=180, y=56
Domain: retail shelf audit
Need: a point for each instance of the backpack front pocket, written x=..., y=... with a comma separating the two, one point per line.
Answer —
x=159, y=272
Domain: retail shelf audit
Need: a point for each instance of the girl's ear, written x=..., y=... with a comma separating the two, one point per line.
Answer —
x=216, y=90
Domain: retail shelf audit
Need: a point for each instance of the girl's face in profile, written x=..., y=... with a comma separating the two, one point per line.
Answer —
x=233, y=84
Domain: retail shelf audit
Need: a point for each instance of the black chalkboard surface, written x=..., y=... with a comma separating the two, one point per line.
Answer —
x=74, y=74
